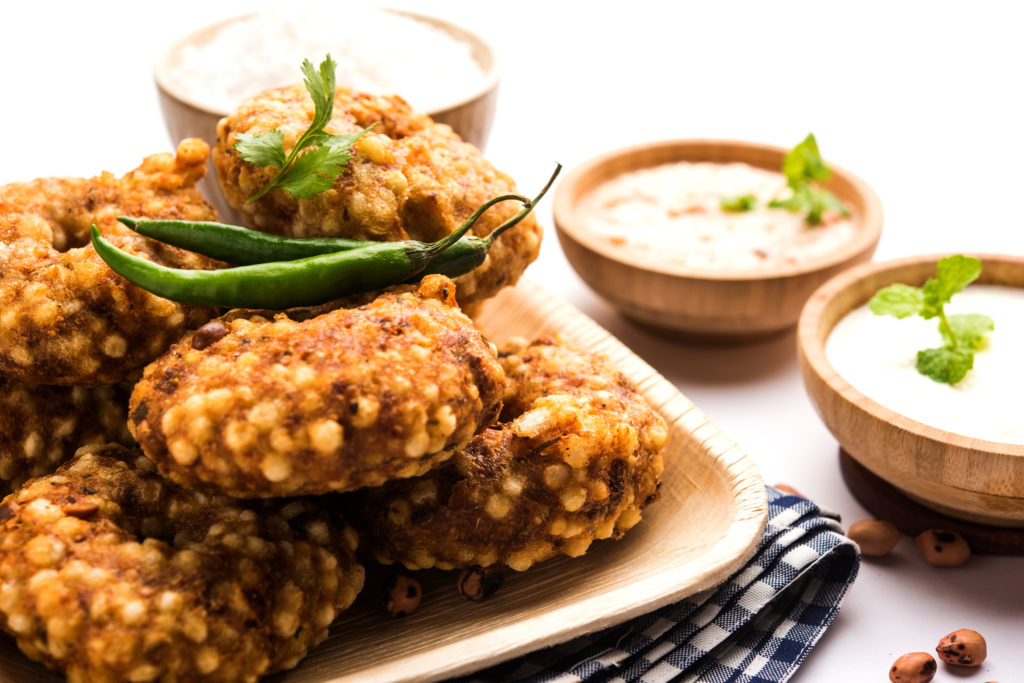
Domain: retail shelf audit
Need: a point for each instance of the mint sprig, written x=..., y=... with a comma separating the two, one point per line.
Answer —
x=804, y=169
x=962, y=334
x=317, y=157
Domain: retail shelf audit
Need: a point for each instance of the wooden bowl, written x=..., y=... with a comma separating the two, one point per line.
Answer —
x=471, y=116
x=964, y=477
x=713, y=305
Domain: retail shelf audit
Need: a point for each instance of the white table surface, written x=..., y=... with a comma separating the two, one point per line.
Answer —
x=922, y=100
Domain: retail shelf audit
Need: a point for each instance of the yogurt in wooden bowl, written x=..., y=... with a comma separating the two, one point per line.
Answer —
x=956, y=449
x=644, y=227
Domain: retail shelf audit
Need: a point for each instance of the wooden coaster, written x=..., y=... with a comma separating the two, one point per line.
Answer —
x=886, y=502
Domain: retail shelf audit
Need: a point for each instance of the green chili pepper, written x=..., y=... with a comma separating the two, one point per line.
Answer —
x=287, y=284
x=235, y=244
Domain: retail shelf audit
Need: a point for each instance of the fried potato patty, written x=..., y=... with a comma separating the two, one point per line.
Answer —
x=350, y=398
x=111, y=573
x=575, y=458
x=65, y=317
x=42, y=426
x=409, y=178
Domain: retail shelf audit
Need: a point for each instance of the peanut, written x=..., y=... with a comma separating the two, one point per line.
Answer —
x=914, y=667
x=942, y=548
x=962, y=648
x=874, y=536
x=403, y=595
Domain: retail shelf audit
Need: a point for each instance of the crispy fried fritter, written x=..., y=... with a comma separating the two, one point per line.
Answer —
x=575, y=458
x=65, y=317
x=408, y=178
x=111, y=573
x=350, y=398
x=42, y=426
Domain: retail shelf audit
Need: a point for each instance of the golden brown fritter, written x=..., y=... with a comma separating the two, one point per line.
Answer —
x=575, y=458
x=111, y=573
x=65, y=317
x=408, y=178
x=42, y=426
x=349, y=398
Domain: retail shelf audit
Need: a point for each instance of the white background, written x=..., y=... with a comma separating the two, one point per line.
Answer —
x=922, y=100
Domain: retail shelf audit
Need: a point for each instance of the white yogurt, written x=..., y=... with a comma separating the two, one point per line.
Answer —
x=377, y=52
x=671, y=215
x=876, y=354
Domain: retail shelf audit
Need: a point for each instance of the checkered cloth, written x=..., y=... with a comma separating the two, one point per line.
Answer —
x=757, y=627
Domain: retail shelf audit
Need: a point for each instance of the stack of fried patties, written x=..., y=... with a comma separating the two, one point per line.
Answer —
x=219, y=550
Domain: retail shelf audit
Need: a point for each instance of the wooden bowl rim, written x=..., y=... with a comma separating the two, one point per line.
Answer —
x=811, y=342
x=204, y=33
x=570, y=189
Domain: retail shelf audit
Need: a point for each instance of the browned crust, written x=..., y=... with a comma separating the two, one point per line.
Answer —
x=576, y=458
x=349, y=398
x=409, y=178
x=111, y=573
x=42, y=426
x=65, y=317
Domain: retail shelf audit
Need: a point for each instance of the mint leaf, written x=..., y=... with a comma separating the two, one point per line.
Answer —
x=738, y=203
x=952, y=274
x=945, y=364
x=262, y=150
x=804, y=163
x=969, y=330
x=962, y=334
x=898, y=300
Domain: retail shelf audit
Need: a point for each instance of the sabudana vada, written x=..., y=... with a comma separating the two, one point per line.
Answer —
x=409, y=178
x=349, y=398
x=65, y=317
x=575, y=458
x=42, y=426
x=111, y=573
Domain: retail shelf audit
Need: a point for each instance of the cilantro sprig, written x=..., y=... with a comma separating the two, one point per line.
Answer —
x=804, y=169
x=317, y=157
x=962, y=335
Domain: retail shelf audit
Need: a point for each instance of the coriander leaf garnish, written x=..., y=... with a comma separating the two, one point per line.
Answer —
x=803, y=167
x=962, y=334
x=317, y=157
x=738, y=203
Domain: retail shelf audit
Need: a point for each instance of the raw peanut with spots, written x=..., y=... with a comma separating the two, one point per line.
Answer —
x=409, y=178
x=875, y=537
x=943, y=548
x=403, y=595
x=962, y=648
x=914, y=667
x=42, y=426
x=575, y=458
x=348, y=398
x=65, y=317
x=109, y=572
x=785, y=488
x=480, y=583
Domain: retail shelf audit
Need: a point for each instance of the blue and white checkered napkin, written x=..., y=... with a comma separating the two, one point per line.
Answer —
x=757, y=627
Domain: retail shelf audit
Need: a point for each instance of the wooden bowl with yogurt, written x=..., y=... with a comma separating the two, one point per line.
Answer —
x=718, y=290
x=191, y=110
x=927, y=441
